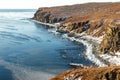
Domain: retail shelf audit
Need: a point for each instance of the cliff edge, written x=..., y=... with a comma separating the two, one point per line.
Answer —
x=99, y=24
x=94, y=19
x=91, y=73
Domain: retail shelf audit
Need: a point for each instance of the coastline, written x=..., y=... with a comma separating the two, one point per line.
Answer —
x=48, y=24
x=98, y=32
x=86, y=42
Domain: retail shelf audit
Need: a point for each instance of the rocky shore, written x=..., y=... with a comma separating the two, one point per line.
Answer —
x=97, y=24
x=94, y=19
x=91, y=73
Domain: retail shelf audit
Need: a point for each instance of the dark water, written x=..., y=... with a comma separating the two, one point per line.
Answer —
x=28, y=51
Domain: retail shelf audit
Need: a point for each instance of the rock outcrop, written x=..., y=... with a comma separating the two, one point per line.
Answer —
x=91, y=73
x=62, y=13
x=111, y=41
x=95, y=19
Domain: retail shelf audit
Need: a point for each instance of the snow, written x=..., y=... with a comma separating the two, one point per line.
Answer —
x=89, y=37
x=111, y=59
x=72, y=77
x=96, y=39
x=53, y=27
x=89, y=52
x=80, y=78
x=76, y=64
x=54, y=31
x=117, y=53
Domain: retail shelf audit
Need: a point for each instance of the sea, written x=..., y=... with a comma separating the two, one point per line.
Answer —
x=32, y=51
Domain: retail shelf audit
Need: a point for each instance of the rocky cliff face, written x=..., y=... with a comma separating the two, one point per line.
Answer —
x=110, y=29
x=111, y=41
x=91, y=73
x=47, y=17
x=58, y=14
x=95, y=19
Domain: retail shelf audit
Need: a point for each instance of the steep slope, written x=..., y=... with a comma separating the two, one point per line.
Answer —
x=91, y=73
x=95, y=19
x=99, y=24
x=57, y=14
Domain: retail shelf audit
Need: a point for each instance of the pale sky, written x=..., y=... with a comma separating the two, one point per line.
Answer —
x=13, y=4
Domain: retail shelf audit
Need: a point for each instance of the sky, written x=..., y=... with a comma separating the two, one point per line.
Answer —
x=34, y=4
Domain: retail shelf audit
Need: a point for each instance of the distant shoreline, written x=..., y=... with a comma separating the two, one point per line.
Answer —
x=18, y=10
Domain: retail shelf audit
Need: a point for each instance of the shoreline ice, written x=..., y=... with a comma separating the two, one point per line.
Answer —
x=89, y=47
x=50, y=25
x=115, y=60
x=88, y=52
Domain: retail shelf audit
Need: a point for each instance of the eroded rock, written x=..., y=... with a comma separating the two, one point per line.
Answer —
x=91, y=73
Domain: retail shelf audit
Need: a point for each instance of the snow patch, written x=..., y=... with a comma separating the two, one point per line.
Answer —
x=54, y=31
x=72, y=77
x=117, y=53
x=76, y=65
x=91, y=38
x=96, y=39
x=111, y=59
x=89, y=52
x=80, y=78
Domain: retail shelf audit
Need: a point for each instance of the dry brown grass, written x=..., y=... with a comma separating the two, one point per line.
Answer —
x=91, y=73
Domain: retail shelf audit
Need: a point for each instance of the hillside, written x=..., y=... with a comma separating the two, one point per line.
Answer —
x=91, y=73
x=95, y=19
x=61, y=13
x=96, y=23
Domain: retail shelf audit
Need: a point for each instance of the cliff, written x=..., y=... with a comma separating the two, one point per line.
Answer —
x=62, y=13
x=91, y=73
x=95, y=19
x=100, y=21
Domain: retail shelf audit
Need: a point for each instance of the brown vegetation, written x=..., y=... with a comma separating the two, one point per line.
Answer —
x=96, y=19
x=91, y=73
